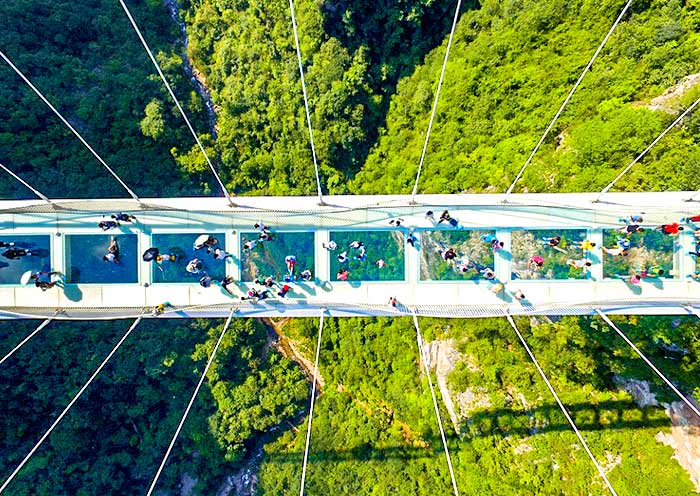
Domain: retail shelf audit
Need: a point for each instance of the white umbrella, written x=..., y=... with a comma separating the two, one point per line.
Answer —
x=26, y=277
x=201, y=240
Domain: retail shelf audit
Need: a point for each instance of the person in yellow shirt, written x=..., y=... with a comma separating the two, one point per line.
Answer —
x=585, y=245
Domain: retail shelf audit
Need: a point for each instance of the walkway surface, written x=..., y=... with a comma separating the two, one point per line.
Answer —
x=417, y=276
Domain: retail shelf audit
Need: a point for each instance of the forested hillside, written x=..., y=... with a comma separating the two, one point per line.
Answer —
x=511, y=66
x=89, y=63
x=371, y=69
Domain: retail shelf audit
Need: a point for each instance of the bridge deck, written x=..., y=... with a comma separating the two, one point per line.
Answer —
x=418, y=286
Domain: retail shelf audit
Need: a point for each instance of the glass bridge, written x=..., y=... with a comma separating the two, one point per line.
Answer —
x=353, y=255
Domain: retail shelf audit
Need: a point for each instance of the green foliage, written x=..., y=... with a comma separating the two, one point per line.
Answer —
x=90, y=64
x=374, y=430
x=153, y=123
x=371, y=70
x=511, y=66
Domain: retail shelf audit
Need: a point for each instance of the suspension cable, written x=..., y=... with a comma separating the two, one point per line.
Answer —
x=311, y=407
x=561, y=405
x=424, y=359
x=21, y=343
x=26, y=184
x=177, y=103
x=639, y=157
x=568, y=97
x=66, y=409
x=68, y=125
x=435, y=100
x=306, y=101
x=648, y=362
x=189, y=405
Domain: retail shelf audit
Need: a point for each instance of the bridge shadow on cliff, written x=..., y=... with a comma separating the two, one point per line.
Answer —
x=498, y=422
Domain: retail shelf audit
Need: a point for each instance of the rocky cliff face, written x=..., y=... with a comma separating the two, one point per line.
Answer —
x=684, y=438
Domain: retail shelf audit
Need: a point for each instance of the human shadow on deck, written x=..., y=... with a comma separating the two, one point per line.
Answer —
x=620, y=414
x=72, y=292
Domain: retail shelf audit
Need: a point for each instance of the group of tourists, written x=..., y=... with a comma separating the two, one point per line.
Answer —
x=15, y=251
x=628, y=237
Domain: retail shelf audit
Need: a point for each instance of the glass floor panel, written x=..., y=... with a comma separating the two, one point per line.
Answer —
x=11, y=269
x=527, y=244
x=472, y=254
x=182, y=246
x=268, y=257
x=84, y=263
x=649, y=249
x=386, y=246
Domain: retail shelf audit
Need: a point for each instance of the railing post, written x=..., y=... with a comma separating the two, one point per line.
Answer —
x=145, y=268
x=595, y=235
x=58, y=252
x=503, y=259
x=322, y=264
x=683, y=263
x=233, y=247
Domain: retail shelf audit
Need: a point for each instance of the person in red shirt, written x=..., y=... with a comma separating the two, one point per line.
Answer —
x=671, y=229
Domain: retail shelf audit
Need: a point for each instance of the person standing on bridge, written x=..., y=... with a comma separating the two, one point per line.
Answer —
x=445, y=217
x=343, y=257
x=449, y=254
x=165, y=257
x=194, y=266
x=112, y=252
x=4, y=244
x=672, y=229
x=631, y=229
x=42, y=279
x=493, y=241
x=488, y=273
x=584, y=245
x=553, y=243
x=535, y=263
x=122, y=217
x=624, y=243
x=582, y=263
x=652, y=272
x=291, y=261
x=330, y=246
x=411, y=239
x=342, y=275
x=249, y=245
x=204, y=241
x=220, y=254
x=106, y=225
